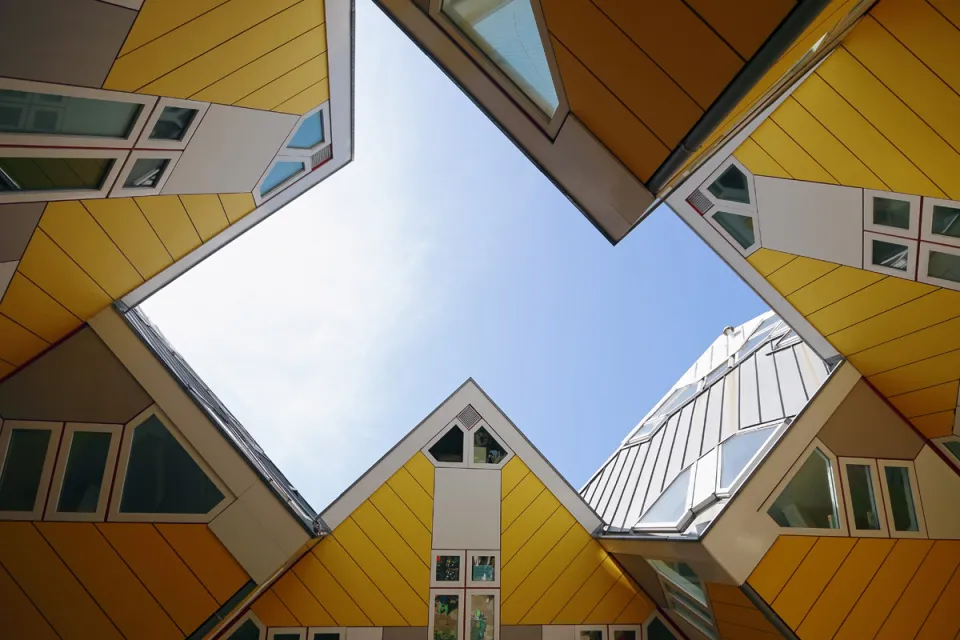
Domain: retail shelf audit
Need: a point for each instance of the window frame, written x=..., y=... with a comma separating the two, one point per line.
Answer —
x=43, y=488
x=667, y=584
x=777, y=428
x=496, y=600
x=941, y=444
x=56, y=487
x=923, y=263
x=324, y=110
x=883, y=532
x=480, y=584
x=114, y=513
x=144, y=141
x=915, y=492
x=446, y=592
x=249, y=615
x=842, y=531
x=119, y=191
x=602, y=628
x=688, y=514
x=910, y=233
x=912, y=250
x=300, y=631
x=435, y=439
x=926, y=229
x=280, y=188
x=437, y=584
x=469, y=445
x=42, y=140
x=730, y=205
x=341, y=631
x=549, y=124
x=726, y=234
x=119, y=157
x=613, y=628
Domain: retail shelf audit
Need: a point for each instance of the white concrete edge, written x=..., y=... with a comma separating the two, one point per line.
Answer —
x=677, y=201
x=340, y=35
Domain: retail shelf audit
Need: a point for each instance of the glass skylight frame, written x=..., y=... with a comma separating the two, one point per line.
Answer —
x=776, y=427
x=729, y=206
x=688, y=513
x=768, y=330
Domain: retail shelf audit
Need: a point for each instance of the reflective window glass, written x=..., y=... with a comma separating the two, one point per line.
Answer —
x=739, y=227
x=657, y=630
x=507, y=32
x=737, y=451
x=446, y=617
x=901, y=499
x=891, y=213
x=625, y=634
x=325, y=635
x=953, y=447
x=48, y=113
x=759, y=336
x=809, y=500
x=287, y=636
x=247, y=631
x=162, y=477
x=83, y=477
x=862, y=497
x=486, y=449
x=946, y=221
x=945, y=266
x=483, y=611
x=53, y=174
x=280, y=172
x=173, y=123
x=309, y=134
x=692, y=616
x=448, y=569
x=716, y=374
x=890, y=255
x=23, y=468
x=683, y=576
x=449, y=448
x=731, y=186
x=483, y=568
x=146, y=173
x=671, y=506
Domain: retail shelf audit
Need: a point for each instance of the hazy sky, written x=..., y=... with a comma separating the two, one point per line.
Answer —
x=441, y=253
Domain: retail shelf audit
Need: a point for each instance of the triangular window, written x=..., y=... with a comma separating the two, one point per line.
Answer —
x=162, y=477
x=739, y=226
x=736, y=453
x=672, y=507
x=506, y=31
x=309, y=134
x=809, y=501
x=731, y=186
x=449, y=448
x=486, y=449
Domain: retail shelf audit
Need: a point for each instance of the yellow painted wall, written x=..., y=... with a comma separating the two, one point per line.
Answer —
x=736, y=616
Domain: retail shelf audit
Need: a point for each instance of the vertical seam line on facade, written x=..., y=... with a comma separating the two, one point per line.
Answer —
x=613, y=466
x=598, y=494
x=223, y=2
x=389, y=561
x=856, y=541
x=879, y=313
x=799, y=564
x=906, y=587
x=113, y=242
x=776, y=376
x=272, y=80
x=686, y=439
x=154, y=229
x=544, y=593
x=30, y=600
x=803, y=384
x=626, y=482
x=653, y=468
x=340, y=584
x=661, y=460
x=185, y=563
x=534, y=568
x=719, y=385
x=633, y=494
x=935, y=602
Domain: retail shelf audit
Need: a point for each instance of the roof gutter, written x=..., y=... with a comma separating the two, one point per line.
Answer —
x=803, y=14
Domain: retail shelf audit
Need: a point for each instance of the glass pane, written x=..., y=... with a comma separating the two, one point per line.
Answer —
x=737, y=451
x=682, y=575
x=954, y=448
x=671, y=506
x=891, y=213
x=247, y=631
x=288, y=636
x=901, y=499
x=146, y=173
x=173, y=123
x=483, y=610
x=449, y=448
x=22, y=468
x=946, y=221
x=53, y=174
x=47, y=113
x=732, y=186
x=656, y=630
x=507, y=32
x=483, y=568
x=890, y=255
x=324, y=635
x=716, y=374
x=810, y=499
x=486, y=449
x=83, y=476
x=862, y=497
x=944, y=265
x=446, y=617
x=448, y=569
x=591, y=634
x=689, y=602
x=162, y=477
x=759, y=335
x=280, y=173
x=625, y=634
x=705, y=627
x=309, y=134
x=739, y=227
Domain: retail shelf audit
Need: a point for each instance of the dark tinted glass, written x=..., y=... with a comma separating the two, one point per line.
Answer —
x=862, y=498
x=891, y=213
x=321, y=635
x=890, y=255
x=448, y=569
x=22, y=469
x=944, y=265
x=173, y=123
x=84, y=474
x=946, y=221
x=49, y=113
x=53, y=174
x=731, y=185
x=739, y=227
x=146, y=173
x=486, y=450
x=449, y=448
x=656, y=630
x=901, y=499
x=247, y=631
x=162, y=477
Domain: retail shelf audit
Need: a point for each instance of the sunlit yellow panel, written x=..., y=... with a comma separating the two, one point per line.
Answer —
x=924, y=401
x=788, y=154
x=591, y=591
x=128, y=228
x=758, y=161
x=422, y=471
x=527, y=523
x=171, y=222
x=519, y=499
x=395, y=548
x=867, y=303
x=926, y=32
x=355, y=582
x=574, y=575
x=919, y=375
x=778, y=564
x=637, y=610
x=206, y=213
x=799, y=273
x=272, y=612
x=810, y=578
x=911, y=348
x=766, y=261
x=511, y=475
x=331, y=595
x=404, y=521
x=413, y=495
x=237, y=205
x=17, y=345
x=207, y=558
x=612, y=603
x=313, y=96
x=30, y=307
x=910, y=612
x=300, y=602
x=288, y=85
x=935, y=425
x=53, y=271
x=157, y=18
x=19, y=617
x=532, y=553
x=833, y=286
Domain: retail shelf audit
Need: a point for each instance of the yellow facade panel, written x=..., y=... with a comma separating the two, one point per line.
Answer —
x=50, y=585
x=237, y=205
x=922, y=593
x=160, y=569
x=779, y=563
x=314, y=95
x=950, y=10
x=788, y=154
x=271, y=610
x=810, y=578
x=591, y=591
x=422, y=471
x=743, y=616
x=206, y=213
x=300, y=602
x=519, y=499
x=248, y=48
x=413, y=495
x=758, y=161
x=745, y=24
x=727, y=594
x=6, y=368
x=401, y=518
x=914, y=347
x=917, y=403
x=111, y=583
x=511, y=475
x=526, y=524
x=574, y=575
x=766, y=261
x=207, y=558
x=919, y=375
x=17, y=345
x=334, y=599
x=127, y=227
x=935, y=425
x=157, y=18
x=733, y=631
x=799, y=273
x=841, y=594
x=360, y=587
x=533, y=550
x=19, y=617
x=833, y=286
x=637, y=610
x=171, y=222
x=944, y=621
x=397, y=550
x=867, y=303
x=287, y=85
x=612, y=603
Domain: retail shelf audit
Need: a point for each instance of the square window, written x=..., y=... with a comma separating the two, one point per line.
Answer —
x=945, y=266
x=445, y=618
x=447, y=568
x=888, y=212
x=146, y=173
x=896, y=214
x=738, y=226
x=946, y=221
x=483, y=569
x=621, y=632
x=173, y=123
x=890, y=255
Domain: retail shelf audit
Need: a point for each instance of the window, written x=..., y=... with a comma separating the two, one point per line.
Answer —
x=738, y=452
x=457, y=446
x=508, y=34
x=27, y=451
x=281, y=173
x=482, y=615
x=483, y=569
x=286, y=633
x=946, y=221
x=84, y=470
x=145, y=173
x=173, y=123
x=247, y=628
x=738, y=226
x=657, y=629
x=716, y=374
x=309, y=134
x=904, y=515
x=685, y=594
x=449, y=448
x=944, y=266
x=445, y=620
x=886, y=254
x=675, y=400
x=941, y=221
x=758, y=337
x=681, y=575
x=672, y=509
x=448, y=568
x=486, y=449
x=809, y=500
x=951, y=446
x=29, y=174
x=891, y=213
x=591, y=633
x=325, y=633
x=890, y=255
x=863, y=497
x=731, y=186
x=625, y=632
x=161, y=477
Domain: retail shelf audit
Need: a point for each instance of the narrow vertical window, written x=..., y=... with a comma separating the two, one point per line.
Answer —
x=23, y=468
x=902, y=506
x=83, y=477
x=863, y=499
x=446, y=617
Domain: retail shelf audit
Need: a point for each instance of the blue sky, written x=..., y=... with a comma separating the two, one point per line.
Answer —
x=441, y=253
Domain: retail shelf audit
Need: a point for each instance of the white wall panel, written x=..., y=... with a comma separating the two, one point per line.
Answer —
x=939, y=486
x=466, y=509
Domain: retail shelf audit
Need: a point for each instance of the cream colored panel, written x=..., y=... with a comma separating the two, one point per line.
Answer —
x=558, y=632
x=939, y=487
x=287, y=533
x=230, y=150
x=365, y=633
x=793, y=215
x=466, y=509
x=248, y=541
x=7, y=269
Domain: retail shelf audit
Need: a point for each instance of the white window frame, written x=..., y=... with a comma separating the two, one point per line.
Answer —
x=915, y=491
x=43, y=488
x=324, y=110
x=283, y=157
x=481, y=584
x=118, y=155
x=685, y=519
x=123, y=460
x=469, y=445
x=602, y=628
x=926, y=230
x=341, y=631
x=870, y=236
x=613, y=628
x=273, y=631
x=729, y=205
x=549, y=124
x=463, y=609
x=941, y=444
x=705, y=480
x=249, y=615
x=145, y=142
x=496, y=607
x=910, y=233
x=778, y=427
x=729, y=238
x=924, y=264
x=883, y=532
x=842, y=530
x=119, y=191
x=438, y=584
x=467, y=451
x=56, y=487
x=45, y=140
